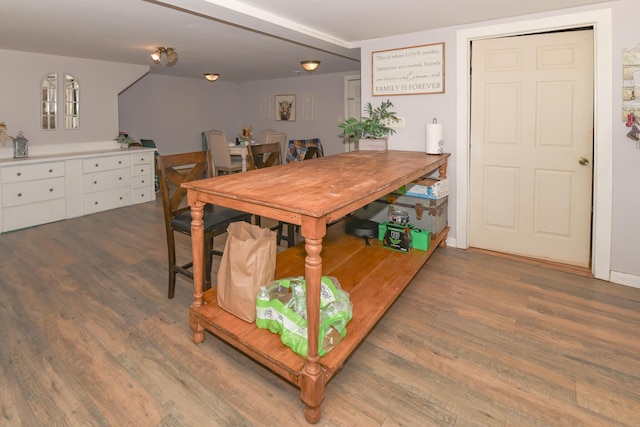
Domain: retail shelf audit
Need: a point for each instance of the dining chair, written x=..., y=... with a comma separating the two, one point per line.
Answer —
x=263, y=156
x=264, y=135
x=219, y=148
x=173, y=170
x=280, y=138
x=303, y=149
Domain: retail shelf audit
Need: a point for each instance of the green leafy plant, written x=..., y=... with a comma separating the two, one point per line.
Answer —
x=123, y=138
x=372, y=126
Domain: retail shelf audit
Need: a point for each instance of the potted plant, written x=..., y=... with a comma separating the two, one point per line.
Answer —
x=124, y=140
x=371, y=132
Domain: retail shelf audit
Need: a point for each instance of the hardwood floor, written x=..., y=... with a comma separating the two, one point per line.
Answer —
x=89, y=338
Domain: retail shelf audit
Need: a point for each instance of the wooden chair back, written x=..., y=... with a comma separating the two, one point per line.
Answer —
x=311, y=153
x=264, y=155
x=175, y=169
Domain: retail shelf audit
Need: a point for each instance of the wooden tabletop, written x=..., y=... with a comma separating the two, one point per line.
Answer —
x=327, y=187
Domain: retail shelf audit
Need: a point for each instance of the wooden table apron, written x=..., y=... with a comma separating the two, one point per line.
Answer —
x=310, y=194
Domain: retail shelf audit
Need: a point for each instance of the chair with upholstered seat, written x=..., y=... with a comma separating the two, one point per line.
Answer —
x=278, y=137
x=173, y=170
x=219, y=148
x=263, y=156
x=303, y=149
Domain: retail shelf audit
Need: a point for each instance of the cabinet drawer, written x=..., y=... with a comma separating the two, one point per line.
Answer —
x=138, y=170
x=141, y=159
x=20, y=193
x=104, y=200
x=141, y=195
x=105, y=163
x=17, y=217
x=141, y=181
x=106, y=180
x=22, y=173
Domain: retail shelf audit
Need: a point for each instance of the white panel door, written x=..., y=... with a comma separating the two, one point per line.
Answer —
x=532, y=146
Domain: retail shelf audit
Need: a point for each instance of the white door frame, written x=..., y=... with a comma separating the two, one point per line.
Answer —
x=348, y=144
x=600, y=20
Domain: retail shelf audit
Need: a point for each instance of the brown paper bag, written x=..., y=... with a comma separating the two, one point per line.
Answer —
x=248, y=262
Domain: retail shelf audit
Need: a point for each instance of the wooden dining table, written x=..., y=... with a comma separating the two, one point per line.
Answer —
x=313, y=194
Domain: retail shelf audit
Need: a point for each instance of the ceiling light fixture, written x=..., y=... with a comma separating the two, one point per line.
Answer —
x=310, y=66
x=211, y=77
x=170, y=54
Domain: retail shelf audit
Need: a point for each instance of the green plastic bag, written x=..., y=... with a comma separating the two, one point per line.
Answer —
x=281, y=308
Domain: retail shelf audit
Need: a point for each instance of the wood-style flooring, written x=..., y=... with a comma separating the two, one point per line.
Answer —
x=89, y=338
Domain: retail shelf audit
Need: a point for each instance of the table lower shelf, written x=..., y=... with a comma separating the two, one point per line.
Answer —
x=373, y=275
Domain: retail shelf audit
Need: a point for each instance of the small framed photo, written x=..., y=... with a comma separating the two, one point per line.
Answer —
x=285, y=108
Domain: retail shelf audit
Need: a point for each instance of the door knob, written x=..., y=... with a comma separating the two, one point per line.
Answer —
x=583, y=161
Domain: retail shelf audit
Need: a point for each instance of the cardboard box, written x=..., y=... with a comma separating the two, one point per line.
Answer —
x=429, y=188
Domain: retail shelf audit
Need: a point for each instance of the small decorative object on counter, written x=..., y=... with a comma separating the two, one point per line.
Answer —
x=20, y=146
x=124, y=140
x=246, y=134
x=4, y=136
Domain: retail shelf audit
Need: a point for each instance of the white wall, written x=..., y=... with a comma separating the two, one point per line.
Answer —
x=174, y=111
x=100, y=83
x=327, y=91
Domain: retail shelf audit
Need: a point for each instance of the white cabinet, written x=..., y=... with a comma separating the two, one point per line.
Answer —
x=142, y=178
x=32, y=194
x=106, y=183
x=35, y=191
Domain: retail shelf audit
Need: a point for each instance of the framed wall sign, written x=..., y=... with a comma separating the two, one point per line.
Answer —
x=286, y=108
x=408, y=71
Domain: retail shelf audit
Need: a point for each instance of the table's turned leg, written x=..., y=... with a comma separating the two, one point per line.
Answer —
x=197, y=243
x=442, y=171
x=312, y=378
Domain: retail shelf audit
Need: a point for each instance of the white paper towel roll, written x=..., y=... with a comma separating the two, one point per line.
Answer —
x=433, y=137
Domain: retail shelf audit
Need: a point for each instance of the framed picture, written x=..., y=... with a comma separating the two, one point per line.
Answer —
x=408, y=71
x=285, y=108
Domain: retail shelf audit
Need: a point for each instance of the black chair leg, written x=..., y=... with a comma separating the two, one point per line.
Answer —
x=290, y=234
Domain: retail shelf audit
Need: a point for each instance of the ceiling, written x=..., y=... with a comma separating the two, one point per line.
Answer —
x=243, y=40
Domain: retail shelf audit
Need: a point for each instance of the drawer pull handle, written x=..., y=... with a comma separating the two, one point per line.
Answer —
x=119, y=178
x=19, y=173
x=142, y=159
x=120, y=197
x=50, y=170
x=96, y=165
x=95, y=182
x=119, y=162
x=19, y=194
x=95, y=203
x=50, y=190
x=143, y=181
